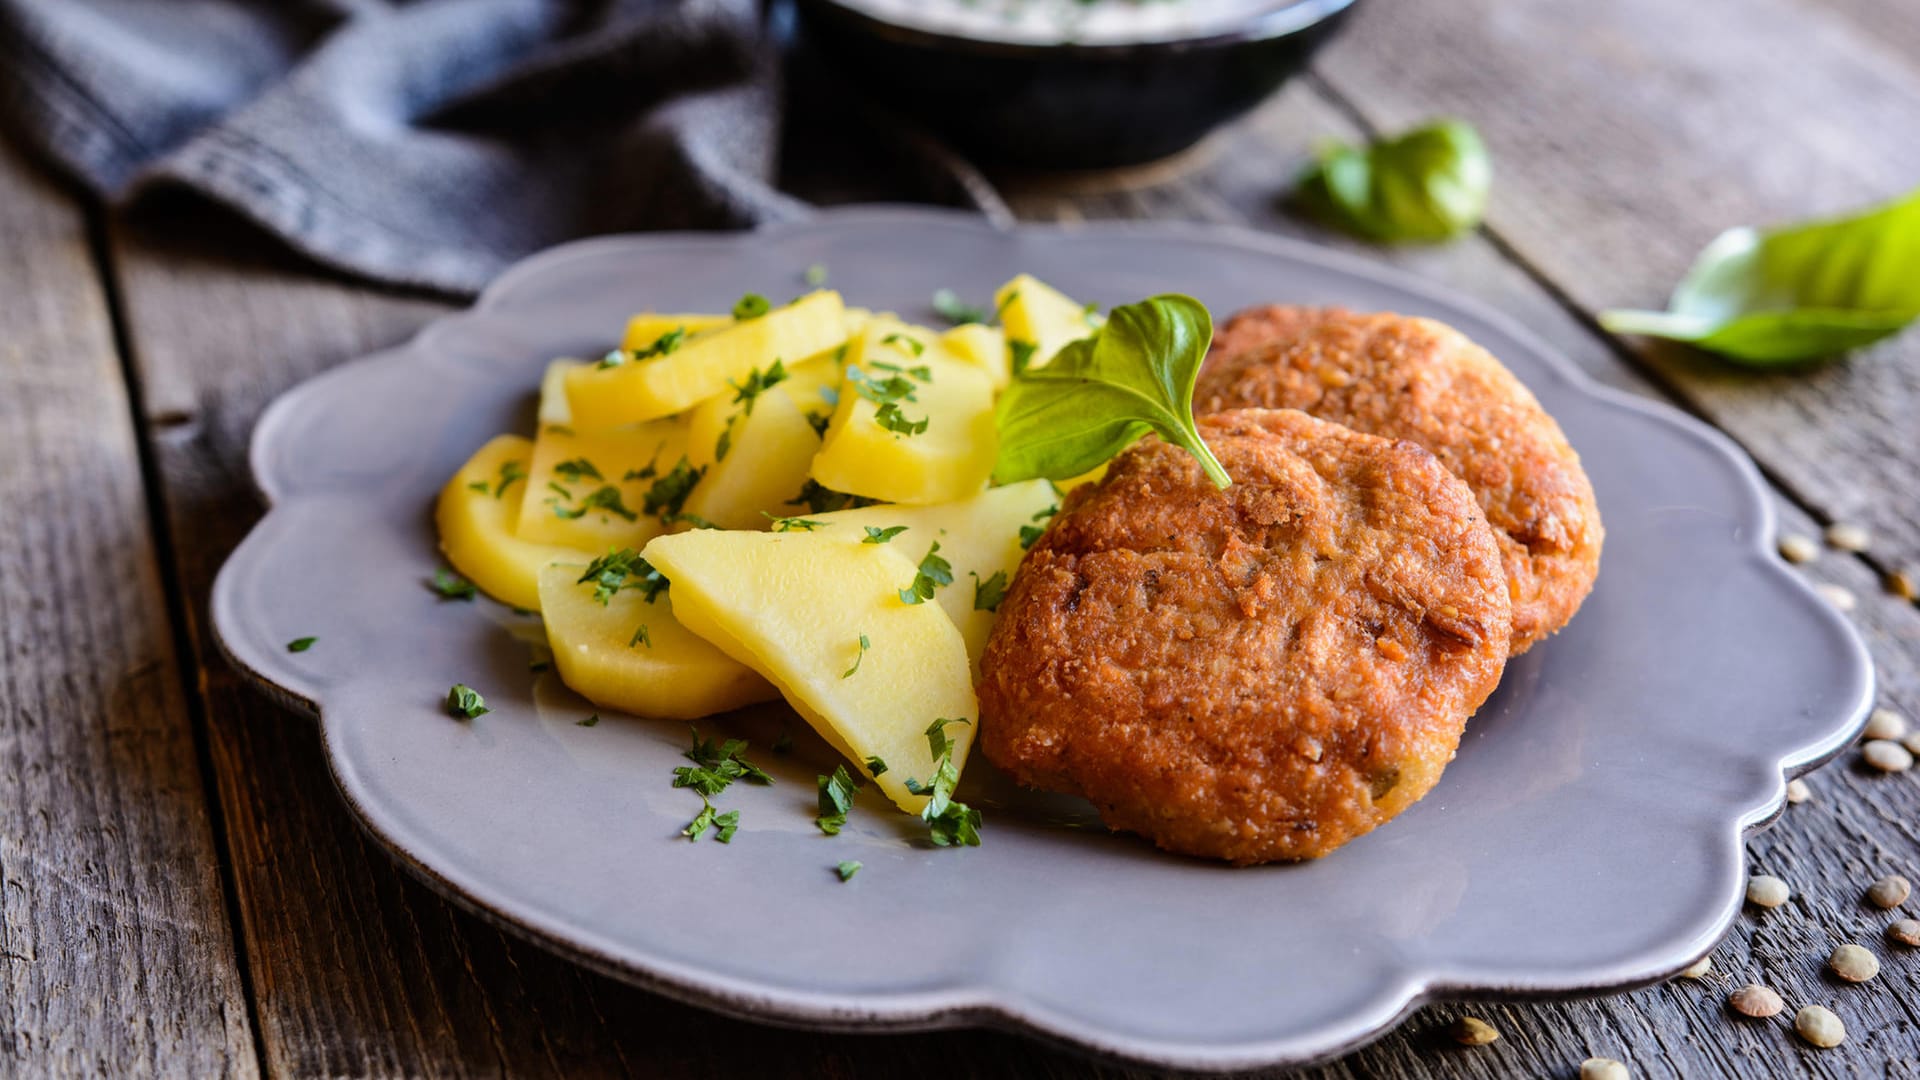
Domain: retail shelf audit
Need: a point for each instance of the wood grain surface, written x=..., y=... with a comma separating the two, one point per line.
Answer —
x=1623, y=143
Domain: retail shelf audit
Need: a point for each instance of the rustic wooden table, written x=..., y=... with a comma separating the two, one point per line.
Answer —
x=182, y=892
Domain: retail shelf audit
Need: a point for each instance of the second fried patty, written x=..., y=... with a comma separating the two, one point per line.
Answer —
x=1258, y=673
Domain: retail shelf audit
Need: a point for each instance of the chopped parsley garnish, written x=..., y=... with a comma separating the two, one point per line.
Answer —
x=836, y=799
x=301, y=644
x=588, y=722
x=713, y=769
x=815, y=276
x=1090, y=314
x=1020, y=354
x=921, y=372
x=1031, y=533
x=661, y=346
x=831, y=394
x=819, y=499
x=911, y=344
x=751, y=306
x=757, y=383
x=479, y=485
x=792, y=524
x=724, y=444
x=723, y=825
x=725, y=758
x=987, y=594
x=623, y=569
x=669, y=493
x=933, y=573
x=875, y=766
x=510, y=471
x=577, y=469
x=857, y=657
x=451, y=586
x=949, y=823
x=694, y=520
x=890, y=417
x=1006, y=302
x=641, y=637
x=607, y=498
x=893, y=388
x=948, y=305
x=819, y=422
x=783, y=743
x=877, y=535
x=465, y=703
x=847, y=869
x=648, y=471
x=539, y=656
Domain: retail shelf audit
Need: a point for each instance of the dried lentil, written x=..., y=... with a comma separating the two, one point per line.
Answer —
x=1604, y=1069
x=1473, y=1031
x=1854, y=963
x=1887, y=755
x=1847, y=536
x=1756, y=1001
x=1798, y=791
x=1885, y=724
x=1839, y=596
x=1905, y=931
x=1819, y=1026
x=1767, y=891
x=1796, y=548
x=1699, y=968
x=1904, y=584
x=1890, y=891
x=1912, y=742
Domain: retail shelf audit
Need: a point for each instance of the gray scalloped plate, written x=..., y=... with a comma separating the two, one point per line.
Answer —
x=1653, y=733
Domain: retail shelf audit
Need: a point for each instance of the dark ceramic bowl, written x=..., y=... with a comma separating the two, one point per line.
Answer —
x=1069, y=106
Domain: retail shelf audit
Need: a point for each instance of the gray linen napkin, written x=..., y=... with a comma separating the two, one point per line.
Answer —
x=427, y=143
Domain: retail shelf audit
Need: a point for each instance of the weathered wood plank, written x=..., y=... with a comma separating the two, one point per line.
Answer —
x=1627, y=134
x=1859, y=825
x=116, y=956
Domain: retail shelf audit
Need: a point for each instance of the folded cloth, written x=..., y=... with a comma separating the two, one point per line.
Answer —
x=427, y=143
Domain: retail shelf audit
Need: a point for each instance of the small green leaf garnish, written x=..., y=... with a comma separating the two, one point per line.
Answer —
x=819, y=499
x=875, y=766
x=723, y=825
x=890, y=418
x=847, y=869
x=623, y=569
x=1029, y=534
x=877, y=535
x=465, y=703
x=510, y=471
x=1020, y=354
x=1098, y=395
x=661, y=346
x=911, y=344
x=949, y=823
x=836, y=799
x=607, y=498
x=724, y=444
x=588, y=722
x=819, y=422
x=815, y=276
x=792, y=524
x=576, y=469
x=934, y=572
x=301, y=644
x=757, y=383
x=641, y=637
x=451, y=586
x=480, y=486
x=1427, y=185
x=669, y=493
x=987, y=594
x=751, y=306
x=948, y=305
x=857, y=657
x=1795, y=293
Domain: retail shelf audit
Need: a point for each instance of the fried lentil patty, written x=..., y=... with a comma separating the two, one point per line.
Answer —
x=1408, y=378
x=1259, y=673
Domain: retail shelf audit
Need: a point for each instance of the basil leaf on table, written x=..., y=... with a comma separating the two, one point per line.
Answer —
x=1099, y=394
x=1427, y=185
x=1797, y=292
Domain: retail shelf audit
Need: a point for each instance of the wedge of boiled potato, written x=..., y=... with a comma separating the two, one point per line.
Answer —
x=951, y=459
x=668, y=672
x=589, y=490
x=794, y=607
x=703, y=366
x=769, y=448
x=554, y=410
x=980, y=537
x=983, y=346
x=646, y=328
x=1037, y=314
x=476, y=514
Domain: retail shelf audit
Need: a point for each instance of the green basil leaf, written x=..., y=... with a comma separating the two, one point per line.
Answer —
x=1102, y=393
x=1795, y=293
x=1424, y=186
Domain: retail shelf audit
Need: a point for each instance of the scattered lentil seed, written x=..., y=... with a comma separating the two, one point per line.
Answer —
x=1885, y=724
x=1912, y=742
x=1767, y=891
x=1854, y=963
x=1699, y=968
x=1905, y=931
x=1597, y=1068
x=1890, y=891
x=1904, y=584
x=1887, y=755
x=1796, y=548
x=1756, y=1001
x=1838, y=595
x=1818, y=1025
x=1848, y=537
x=1798, y=791
x=1473, y=1031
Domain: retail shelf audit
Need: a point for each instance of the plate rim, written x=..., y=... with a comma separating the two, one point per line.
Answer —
x=977, y=1005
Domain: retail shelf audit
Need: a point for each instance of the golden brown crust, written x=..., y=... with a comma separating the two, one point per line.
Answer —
x=1258, y=673
x=1408, y=378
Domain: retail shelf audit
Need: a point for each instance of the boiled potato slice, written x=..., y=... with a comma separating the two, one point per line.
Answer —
x=476, y=514
x=949, y=460
x=703, y=366
x=646, y=328
x=554, y=410
x=669, y=673
x=1036, y=313
x=572, y=471
x=794, y=605
x=984, y=346
x=768, y=451
x=980, y=537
